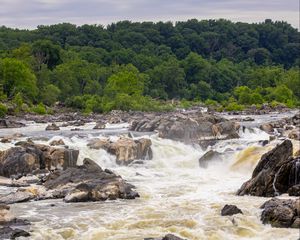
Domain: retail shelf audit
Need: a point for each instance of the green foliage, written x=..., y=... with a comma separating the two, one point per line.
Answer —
x=16, y=77
x=3, y=110
x=135, y=66
x=39, y=109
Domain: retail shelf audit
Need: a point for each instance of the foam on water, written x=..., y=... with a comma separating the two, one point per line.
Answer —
x=177, y=196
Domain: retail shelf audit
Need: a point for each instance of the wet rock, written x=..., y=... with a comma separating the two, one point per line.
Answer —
x=16, y=197
x=99, y=125
x=229, y=210
x=10, y=233
x=188, y=128
x=294, y=190
x=127, y=150
x=4, y=123
x=57, y=142
x=99, y=144
x=294, y=134
x=267, y=127
x=248, y=119
x=210, y=156
x=167, y=237
x=89, y=183
x=281, y=213
x=52, y=127
x=275, y=173
x=28, y=157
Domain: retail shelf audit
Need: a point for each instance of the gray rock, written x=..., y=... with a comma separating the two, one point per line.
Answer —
x=229, y=210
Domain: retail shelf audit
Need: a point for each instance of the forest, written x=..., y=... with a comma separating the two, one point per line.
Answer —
x=144, y=65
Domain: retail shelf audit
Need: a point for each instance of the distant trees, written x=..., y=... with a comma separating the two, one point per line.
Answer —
x=136, y=65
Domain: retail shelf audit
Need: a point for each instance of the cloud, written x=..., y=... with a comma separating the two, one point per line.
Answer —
x=30, y=13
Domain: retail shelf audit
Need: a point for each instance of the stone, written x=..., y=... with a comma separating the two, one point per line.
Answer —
x=294, y=134
x=294, y=190
x=16, y=197
x=100, y=125
x=57, y=142
x=4, y=123
x=210, y=156
x=10, y=233
x=282, y=213
x=88, y=183
x=229, y=210
x=275, y=173
x=28, y=157
x=52, y=127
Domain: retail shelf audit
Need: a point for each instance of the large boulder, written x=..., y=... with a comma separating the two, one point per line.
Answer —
x=126, y=150
x=52, y=127
x=89, y=183
x=212, y=156
x=27, y=157
x=283, y=213
x=188, y=128
x=275, y=173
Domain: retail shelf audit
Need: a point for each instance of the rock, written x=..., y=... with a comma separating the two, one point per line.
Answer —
x=99, y=144
x=167, y=237
x=57, y=142
x=52, y=127
x=88, y=183
x=4, y=213
x=210, y=156
x=16, y=197
x=294, y=134
x=127, y=150
x=99, y=125
x=10, y=233
x=190, y=128
x=267, y=127
x=294, y=190
x=229, y=210
x=275, y=173
x=28, y=157
x=281, y=213
x=248, y=119
x=10, y=124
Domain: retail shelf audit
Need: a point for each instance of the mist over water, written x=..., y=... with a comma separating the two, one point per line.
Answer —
x=177, y=196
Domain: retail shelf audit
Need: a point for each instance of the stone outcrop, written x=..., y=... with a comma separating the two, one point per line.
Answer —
x=229, y=210
x=100, y=125
x=282, y=213
x=28, y=157
x=126, y=150
x=59, y=142
x=212, y=156
x=276, y=172
x=188, y=128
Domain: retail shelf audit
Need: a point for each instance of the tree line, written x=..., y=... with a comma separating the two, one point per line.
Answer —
x=139, y=66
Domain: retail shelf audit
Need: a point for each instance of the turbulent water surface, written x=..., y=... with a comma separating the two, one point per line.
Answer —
x=177, y=196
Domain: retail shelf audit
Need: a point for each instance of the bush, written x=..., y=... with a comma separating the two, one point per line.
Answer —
x=39, y=109
x=234, y=106
x=3, y=110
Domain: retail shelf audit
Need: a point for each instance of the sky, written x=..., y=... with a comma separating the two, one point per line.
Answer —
x=31, y=13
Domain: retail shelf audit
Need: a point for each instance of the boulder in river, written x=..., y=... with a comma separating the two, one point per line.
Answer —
x=4, y=123
x=212, y=156
x=100, y=125
x=275, y=173
x=57, y=142
x=9, y=226
x=229, y=210
x=126, y=150
x=28, y=157
x=52, y=127
x=282, y=213
x=188, y=128
x=89, y=183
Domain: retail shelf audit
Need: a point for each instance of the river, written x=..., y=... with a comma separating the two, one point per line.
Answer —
x=177, y=196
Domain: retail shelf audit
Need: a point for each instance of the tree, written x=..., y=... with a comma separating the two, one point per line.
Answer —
x=16, y=78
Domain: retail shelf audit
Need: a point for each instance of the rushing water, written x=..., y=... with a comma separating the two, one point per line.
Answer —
x=177, y=196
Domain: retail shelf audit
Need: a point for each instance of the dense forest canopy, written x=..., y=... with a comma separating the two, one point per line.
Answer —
x=131, y=65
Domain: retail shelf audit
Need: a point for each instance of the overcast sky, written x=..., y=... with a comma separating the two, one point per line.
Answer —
x=30, y=13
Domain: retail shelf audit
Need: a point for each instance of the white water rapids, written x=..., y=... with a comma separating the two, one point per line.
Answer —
x=177, y=196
